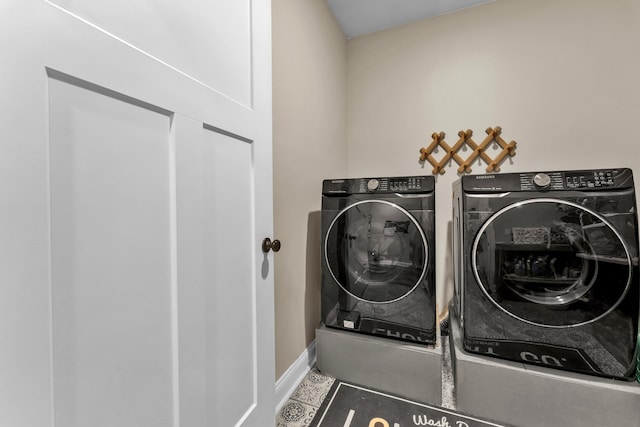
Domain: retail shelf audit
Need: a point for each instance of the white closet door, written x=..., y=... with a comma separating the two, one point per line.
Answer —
x=135, y=174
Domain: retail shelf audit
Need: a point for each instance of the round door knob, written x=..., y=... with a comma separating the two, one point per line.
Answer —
x=268, y=245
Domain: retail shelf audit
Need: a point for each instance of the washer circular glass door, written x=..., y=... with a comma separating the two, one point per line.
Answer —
x=551, y=263
x=376, y=251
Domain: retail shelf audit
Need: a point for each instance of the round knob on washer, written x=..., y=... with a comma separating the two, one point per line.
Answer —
x=373, y=184
x=542, y=180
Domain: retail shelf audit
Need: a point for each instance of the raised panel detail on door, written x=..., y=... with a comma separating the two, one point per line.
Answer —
x=210, y=41
x=111, y=260
x=133, y=290
x=217, y=295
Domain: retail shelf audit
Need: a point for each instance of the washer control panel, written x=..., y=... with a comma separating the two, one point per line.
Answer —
x=405, y=184
x=568, y=180
x=392, y=185
x=596, y=179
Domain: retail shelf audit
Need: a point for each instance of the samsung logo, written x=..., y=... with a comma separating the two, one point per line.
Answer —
x=485, y=177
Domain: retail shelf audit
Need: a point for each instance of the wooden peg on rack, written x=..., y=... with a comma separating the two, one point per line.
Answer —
x=507, y=149
x=425, y=153
x=479, y=150
x=465, y=165
x=449, y=152
x=453, y=152
x=487, y=141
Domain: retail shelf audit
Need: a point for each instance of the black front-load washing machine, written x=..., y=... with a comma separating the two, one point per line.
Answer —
x=378, y=256
x=546, y=268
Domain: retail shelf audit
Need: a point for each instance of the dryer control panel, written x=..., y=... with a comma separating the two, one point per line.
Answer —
x=596, y=179
x=402, y=184
x=602, y=178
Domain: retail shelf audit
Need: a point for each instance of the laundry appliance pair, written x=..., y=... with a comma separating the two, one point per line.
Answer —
x=545, y=264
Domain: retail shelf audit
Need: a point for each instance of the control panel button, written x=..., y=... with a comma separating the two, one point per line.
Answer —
x=542, y=180
x=373, y=184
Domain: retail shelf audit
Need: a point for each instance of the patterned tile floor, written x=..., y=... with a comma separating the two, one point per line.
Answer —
x=303, y=404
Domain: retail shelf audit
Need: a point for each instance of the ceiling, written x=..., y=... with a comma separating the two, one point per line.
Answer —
x=360, y=17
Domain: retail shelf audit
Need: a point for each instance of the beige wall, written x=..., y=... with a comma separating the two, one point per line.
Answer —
x=562, y=78
x=309, y=145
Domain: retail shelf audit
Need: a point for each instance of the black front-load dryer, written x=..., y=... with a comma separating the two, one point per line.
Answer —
x=378, y=256
x=546, y=268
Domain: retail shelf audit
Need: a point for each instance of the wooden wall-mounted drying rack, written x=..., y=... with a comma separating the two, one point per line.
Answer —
x=493, y=135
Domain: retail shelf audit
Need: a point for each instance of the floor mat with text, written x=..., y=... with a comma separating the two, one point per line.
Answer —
x=349, y=405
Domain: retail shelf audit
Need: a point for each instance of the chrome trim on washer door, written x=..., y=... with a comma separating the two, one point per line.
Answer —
x=410, y=217
x=579, y=293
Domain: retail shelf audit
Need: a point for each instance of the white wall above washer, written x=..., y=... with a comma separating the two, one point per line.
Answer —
x=360, y=17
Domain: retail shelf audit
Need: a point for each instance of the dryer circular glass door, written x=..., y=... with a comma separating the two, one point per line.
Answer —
x=551, y=262
x=376, y=251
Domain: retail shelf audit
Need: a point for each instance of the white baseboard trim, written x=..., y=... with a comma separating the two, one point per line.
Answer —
x=288, y=382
